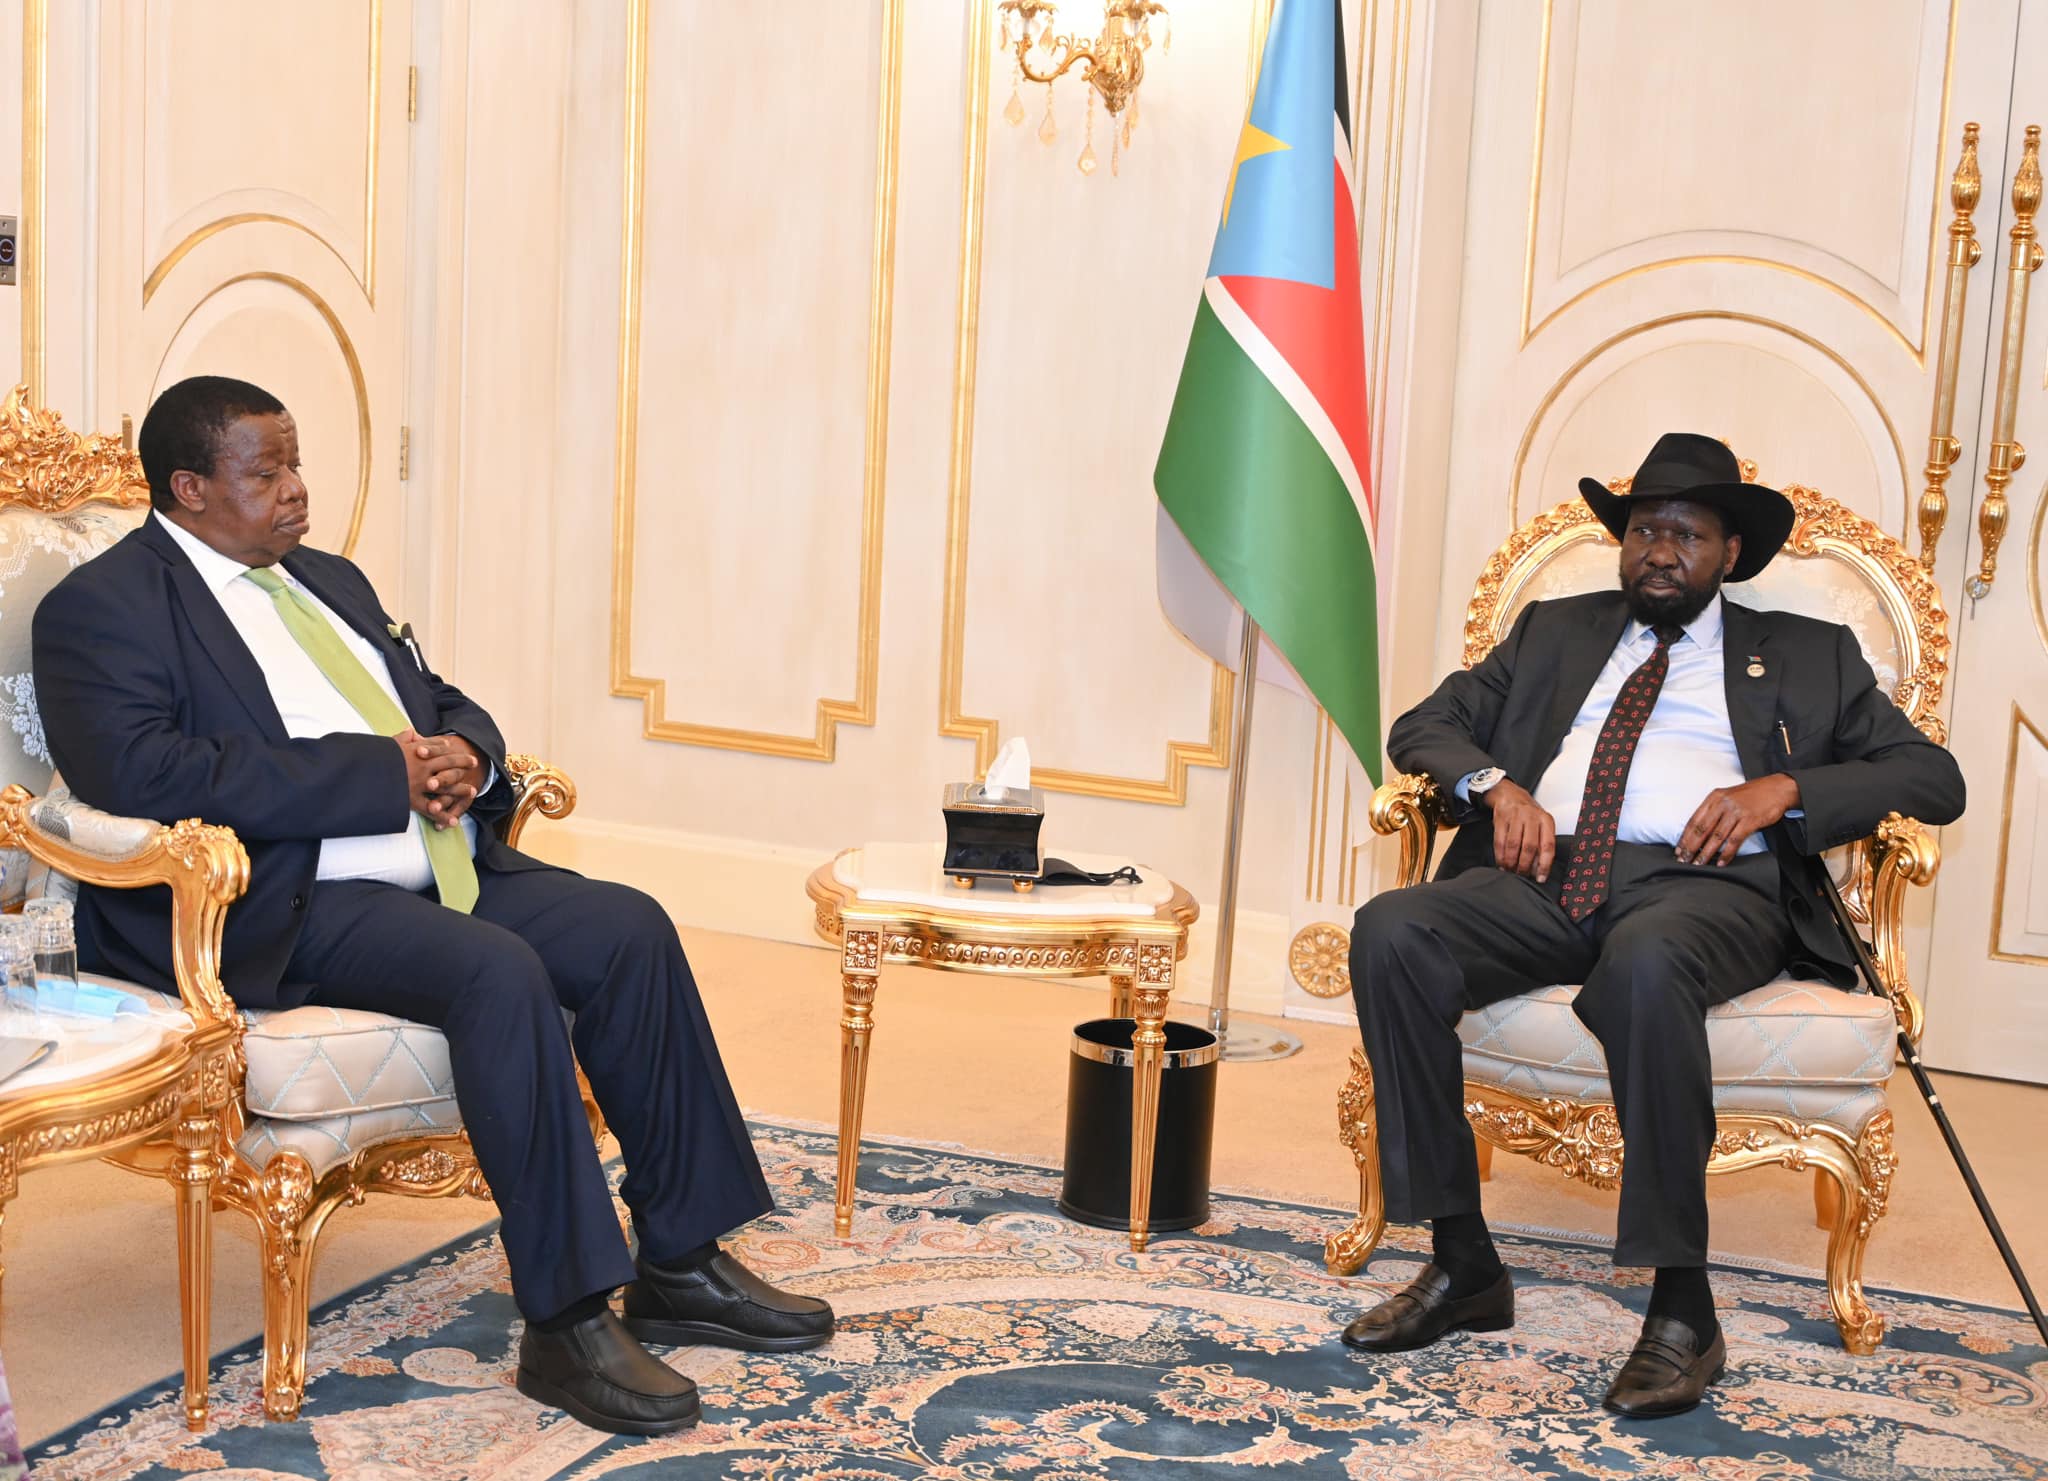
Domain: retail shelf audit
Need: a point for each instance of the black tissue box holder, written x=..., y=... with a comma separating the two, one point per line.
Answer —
x=991, y=839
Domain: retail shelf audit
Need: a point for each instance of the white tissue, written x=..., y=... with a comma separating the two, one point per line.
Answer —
x=1011, y=770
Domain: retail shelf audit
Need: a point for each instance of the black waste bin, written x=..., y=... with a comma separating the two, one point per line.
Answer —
x=1101, y=1074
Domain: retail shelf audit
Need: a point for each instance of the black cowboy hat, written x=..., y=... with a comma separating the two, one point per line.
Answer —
x=1701, y=470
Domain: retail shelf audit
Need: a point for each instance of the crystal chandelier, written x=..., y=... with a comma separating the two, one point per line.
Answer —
x=1115, y=58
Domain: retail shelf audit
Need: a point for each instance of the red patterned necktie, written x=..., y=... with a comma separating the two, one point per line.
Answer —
x=1585, y=882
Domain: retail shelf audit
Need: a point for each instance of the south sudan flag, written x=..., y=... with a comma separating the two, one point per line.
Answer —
x=1264, y=467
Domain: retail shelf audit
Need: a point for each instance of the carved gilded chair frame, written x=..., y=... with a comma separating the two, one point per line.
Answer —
x=1853, y=1170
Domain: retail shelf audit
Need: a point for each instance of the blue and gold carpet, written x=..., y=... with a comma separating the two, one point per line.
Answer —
x=984, y=1336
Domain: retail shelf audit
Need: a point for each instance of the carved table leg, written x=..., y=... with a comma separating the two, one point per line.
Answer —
x=1121, y=999
x=1154, y=990
x=192, y=1175
x=859, y=959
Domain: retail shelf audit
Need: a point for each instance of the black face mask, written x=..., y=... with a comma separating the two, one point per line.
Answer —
x=1059, y=871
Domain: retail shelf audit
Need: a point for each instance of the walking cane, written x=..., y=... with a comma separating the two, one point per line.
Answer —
x=1933, y=1099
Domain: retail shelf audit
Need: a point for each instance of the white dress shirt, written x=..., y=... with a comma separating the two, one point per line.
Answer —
x=1687, y=748
x=311, y=706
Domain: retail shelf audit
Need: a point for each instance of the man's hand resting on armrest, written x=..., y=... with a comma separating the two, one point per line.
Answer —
x=1724, y=821
x=443, y=775
x=1524, y=835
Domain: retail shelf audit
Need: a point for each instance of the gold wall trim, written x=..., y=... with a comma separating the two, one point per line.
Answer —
x=367, y=279
x=35, y=184
x=349, y=357
x=211, y=229
x=954, y=721
x=1917, y=352
x=2012, y=761
x=1727, y=315
x=822, y=743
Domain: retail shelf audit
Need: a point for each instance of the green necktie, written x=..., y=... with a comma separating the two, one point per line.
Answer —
x=447, y=849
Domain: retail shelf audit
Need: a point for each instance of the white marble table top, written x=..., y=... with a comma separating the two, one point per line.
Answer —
x=90, y=1047
x=911, y=874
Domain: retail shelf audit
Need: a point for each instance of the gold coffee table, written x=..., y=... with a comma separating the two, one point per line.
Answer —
x=891, y=903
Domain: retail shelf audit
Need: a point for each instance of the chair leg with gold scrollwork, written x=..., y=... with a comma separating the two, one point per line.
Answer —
x=1346, y=1251
x=1865, y=1193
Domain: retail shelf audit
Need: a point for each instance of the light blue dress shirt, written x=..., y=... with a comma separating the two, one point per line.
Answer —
x=1686, y=751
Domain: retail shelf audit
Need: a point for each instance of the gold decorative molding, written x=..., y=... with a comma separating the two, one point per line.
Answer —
x=541, y=789
x=954, y=721
x=1917, y=351
x=33, y=236
x=349, y=358
x=2037, y=561
x=1317, y=960
x=367, y=278
x=46, y=466
x=1727, y=315
x=2007, y=454
x=2020, y=720
x=822, y=743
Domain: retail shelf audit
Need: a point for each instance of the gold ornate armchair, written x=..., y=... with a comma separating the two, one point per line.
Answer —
x=1799, y=1068
x=300, y=1110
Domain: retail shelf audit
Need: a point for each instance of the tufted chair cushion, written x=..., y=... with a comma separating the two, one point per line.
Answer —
x=1788, y=1048
x=328, y=1082
x=36, y=552
x=309, y=1064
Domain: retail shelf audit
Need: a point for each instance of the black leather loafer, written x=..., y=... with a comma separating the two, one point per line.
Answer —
x=721, y=1303
x=599, y=1374
x=1667, y=1373
x=1424, y=1309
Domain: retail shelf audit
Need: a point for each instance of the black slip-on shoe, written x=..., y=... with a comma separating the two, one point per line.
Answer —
x=599, y=1374
x=1424, y=1309
x=1667, y=1373
x=721, y=1303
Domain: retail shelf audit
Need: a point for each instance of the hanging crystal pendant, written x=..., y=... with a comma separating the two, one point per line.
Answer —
x=1048, y=131
x=1130, y=117
x=1086, y=163
x=1013, y=113
x=1114, y=137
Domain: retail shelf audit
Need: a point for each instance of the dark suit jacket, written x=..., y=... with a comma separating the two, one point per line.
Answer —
x=155, y=708
x=1854, y=754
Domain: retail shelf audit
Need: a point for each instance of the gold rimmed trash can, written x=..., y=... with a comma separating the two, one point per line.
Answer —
x=1101, y=1078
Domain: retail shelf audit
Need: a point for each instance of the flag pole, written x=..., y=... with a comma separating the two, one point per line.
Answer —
x=1246, y=1040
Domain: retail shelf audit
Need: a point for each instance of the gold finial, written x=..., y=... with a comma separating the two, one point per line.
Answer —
x=1968, y=185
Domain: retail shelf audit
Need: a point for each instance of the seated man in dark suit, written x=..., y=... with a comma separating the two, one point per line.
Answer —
x=208, y=666
x=1645, y=779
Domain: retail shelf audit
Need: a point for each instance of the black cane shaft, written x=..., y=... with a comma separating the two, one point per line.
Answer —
x=1940, y=1113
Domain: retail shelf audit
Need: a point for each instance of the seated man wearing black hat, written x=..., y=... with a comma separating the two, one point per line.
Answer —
x=1646, y=779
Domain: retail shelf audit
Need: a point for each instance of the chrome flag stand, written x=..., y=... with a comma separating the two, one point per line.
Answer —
x=1245, y=1040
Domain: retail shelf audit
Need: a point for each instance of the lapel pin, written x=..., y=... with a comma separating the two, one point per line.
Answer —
x=1756, y=667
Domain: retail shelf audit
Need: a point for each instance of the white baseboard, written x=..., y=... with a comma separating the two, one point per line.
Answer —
x=757, y=889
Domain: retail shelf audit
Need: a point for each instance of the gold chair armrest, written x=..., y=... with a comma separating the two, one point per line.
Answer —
x=205, y=866
x=1412, y=807
x=538, y=788
x=1902, y=853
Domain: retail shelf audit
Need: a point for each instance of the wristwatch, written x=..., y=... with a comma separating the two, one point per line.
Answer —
x=1485, y=780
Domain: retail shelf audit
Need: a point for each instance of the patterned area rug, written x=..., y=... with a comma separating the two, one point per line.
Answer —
x=984, y=1336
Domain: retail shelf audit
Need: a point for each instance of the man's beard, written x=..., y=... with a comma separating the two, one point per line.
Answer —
x=1679, y=606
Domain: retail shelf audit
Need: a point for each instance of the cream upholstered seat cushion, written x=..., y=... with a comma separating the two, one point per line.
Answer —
x=332, y=1140
x=1788, y=1048
x=313, y=1063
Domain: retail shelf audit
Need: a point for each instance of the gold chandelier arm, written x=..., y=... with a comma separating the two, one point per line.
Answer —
x=2007, y=456
x=205, y=866
x=1065, y=44
x=1963, y=254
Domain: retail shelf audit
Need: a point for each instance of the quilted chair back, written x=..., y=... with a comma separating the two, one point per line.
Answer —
x=64, y=498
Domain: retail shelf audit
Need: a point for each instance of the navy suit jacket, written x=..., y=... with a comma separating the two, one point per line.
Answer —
x=155, y=708
x=1854, y=754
